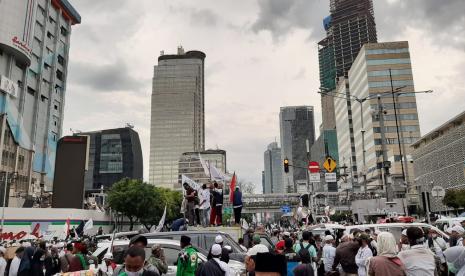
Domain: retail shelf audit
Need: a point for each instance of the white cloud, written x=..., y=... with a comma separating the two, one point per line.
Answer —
x=253, y=66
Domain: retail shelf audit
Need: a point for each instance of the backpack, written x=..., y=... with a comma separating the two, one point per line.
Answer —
x=304, y=252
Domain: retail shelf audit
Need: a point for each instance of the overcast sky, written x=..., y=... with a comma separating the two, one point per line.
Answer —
x=261, y=55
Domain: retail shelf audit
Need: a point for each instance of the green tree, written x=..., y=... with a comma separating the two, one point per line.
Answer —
x=451, y=199
x=131, y=198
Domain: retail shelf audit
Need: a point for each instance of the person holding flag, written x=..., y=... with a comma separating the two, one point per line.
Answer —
x=236, y=199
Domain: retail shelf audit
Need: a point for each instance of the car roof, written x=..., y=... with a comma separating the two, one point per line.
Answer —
x=450, y=219
x=184, y=232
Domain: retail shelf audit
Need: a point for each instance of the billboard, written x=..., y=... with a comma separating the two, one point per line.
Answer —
x=70, y=166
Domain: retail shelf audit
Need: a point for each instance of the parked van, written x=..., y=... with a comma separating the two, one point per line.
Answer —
x=445, y=223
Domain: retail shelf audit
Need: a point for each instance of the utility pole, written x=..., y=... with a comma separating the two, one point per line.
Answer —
x=361, y=101
x=397, y=126
x=386, y=163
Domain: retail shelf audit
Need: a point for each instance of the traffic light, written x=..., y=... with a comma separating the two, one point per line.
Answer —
x=286, y=165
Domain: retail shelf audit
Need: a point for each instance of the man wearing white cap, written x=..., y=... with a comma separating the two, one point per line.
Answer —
x=329, y=252
x=250, y=258
x=224, y=250
x=2, y=260
x=456, y=235
x=214, y=266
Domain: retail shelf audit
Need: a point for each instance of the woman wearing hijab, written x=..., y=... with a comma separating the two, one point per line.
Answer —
x=386, y=263
x=455, y=257
x=25, y=266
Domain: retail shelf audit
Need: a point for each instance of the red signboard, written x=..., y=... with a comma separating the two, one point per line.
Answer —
x=313, y=167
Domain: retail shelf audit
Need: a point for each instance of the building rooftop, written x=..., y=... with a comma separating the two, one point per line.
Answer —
x=457, y=120
x=187, y=55
x=69, y=11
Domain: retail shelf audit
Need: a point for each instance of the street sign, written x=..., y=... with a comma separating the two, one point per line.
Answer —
x=438, y=192
x=315, y=177
x=330, y=177
x=313, y=167
x=329, y=164
x=285, y=209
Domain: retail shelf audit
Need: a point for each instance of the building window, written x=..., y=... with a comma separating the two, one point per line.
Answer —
x=30, y=90
x=43, y=98
x=5, y=155
x=20, y=162
x=59, y=75
x=63, y=31
x=61, y=60
x=55, y=106
x=111, y=154
x=46, y=66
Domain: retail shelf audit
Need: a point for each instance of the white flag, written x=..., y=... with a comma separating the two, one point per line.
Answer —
x=205, y=165
x=194, y=185
x=89, y=225
x=162, y=221
x=216, y=174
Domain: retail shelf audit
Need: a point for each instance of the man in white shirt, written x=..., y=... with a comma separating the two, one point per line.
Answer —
x=204, y=198
x=456, y=234
x=14, y=266
x=2, y=260
x=418, y=260
x=329, y=252
x=364, y=252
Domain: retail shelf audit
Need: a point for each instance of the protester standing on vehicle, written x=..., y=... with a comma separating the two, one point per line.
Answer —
x=345, y=256
x=418, y=260
x=188, y=259
x=218, y=204
x=190, y=198
x=364, y=252
x=204, y=197
x=237, y=206
x=386, y=263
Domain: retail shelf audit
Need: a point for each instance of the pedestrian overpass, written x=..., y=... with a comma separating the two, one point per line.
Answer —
x=266, y=203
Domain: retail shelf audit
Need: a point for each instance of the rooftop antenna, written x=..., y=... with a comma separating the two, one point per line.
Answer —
x=162, y=53
x=131, y=126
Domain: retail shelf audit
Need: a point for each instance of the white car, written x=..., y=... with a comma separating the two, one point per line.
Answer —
x=395, y=228
x=171, y=249
x=445, y=223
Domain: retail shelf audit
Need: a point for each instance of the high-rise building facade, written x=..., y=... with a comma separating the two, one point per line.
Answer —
x=345, y=135
x=297, y=128
x=34, y=51
x=438, y=159
x=190, y=165
x=273, y=170
x=350, y=25
x=114, y=154
x=178, y=116
x=379, y=69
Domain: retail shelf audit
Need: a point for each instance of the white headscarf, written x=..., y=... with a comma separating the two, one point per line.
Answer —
x=386, y=245
x=456, y=255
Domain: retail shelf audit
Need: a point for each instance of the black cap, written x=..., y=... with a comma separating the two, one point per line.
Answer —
x=138, y=238
x=185, y=239
x=269, y=262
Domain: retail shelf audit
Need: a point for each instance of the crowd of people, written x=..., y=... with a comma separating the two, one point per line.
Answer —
x=204, y=206
x=418, y=252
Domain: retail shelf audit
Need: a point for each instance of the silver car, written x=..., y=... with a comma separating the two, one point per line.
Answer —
x=171, y=249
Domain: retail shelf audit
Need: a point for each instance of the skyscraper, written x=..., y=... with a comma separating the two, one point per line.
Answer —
x=273, y=170
x=350, y=25
x=370, y=76
x=34, y=48
x=114, y=154
x=178, y=117
x=297, y=129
